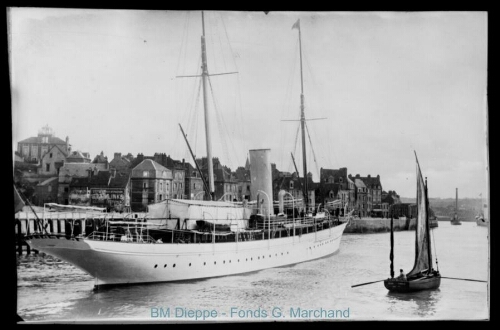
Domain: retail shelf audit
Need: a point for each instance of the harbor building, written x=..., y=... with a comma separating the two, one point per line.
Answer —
x=32, y=149
x=150, y=183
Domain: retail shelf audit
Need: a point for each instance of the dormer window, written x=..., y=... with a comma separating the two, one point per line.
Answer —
x=341, y=180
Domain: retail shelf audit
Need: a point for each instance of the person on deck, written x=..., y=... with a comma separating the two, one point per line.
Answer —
x=402, y=276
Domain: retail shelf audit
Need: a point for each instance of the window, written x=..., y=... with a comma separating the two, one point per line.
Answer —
x=26, y=150
x=65, y=189
x=145, y=174
x=175, y=186
x=49, y=188
x=144, y=185
x=34, y=151
x=50, y=155
x=47, y=167
x=291, y=184
x=194, y=186
x=44, y=150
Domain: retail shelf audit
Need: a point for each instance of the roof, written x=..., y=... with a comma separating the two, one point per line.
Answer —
x=149, y=164
x=38, y=139
x=371, y=181
x=359, y=183
x=77, y=155
x=119, y=181
x=57, y=147
x=100, y=179
x=49, y=180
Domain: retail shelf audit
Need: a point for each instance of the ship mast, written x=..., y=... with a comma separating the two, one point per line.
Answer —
x=302, y=121
x=204, y=75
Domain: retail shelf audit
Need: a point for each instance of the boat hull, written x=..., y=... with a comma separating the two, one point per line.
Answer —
x=419, y=284
x=114, y=263
x=481, y=223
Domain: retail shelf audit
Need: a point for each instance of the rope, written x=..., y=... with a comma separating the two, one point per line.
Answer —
x=312, y=149
x=220, y=122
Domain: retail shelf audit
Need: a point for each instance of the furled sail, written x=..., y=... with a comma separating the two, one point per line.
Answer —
x=423, y=259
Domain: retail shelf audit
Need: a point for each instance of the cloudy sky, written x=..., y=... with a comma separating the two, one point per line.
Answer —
x=387, y=83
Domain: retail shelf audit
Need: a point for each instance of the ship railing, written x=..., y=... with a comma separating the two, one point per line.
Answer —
x=116, y=237
x=278, y=223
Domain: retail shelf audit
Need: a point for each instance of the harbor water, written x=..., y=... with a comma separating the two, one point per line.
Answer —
x=51, y=290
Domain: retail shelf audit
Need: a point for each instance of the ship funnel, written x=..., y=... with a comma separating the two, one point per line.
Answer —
x=281, y=196
x=260, y=179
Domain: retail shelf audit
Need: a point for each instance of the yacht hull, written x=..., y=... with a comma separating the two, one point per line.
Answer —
x=114, y=263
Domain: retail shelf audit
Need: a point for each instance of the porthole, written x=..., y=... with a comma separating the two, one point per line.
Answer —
x=156, y=266
x=189, y=264
x=165, y=265
x=251, y=259
x=215, y=262
x=173, y=265
x=258, y=258
x=229, y=261
x=204, y=264
x=224, y=262
x=238, y=260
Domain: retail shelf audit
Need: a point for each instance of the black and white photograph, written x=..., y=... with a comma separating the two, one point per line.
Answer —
x=225, y=166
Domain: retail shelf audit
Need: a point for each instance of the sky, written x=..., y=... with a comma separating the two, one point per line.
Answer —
x=386, y=83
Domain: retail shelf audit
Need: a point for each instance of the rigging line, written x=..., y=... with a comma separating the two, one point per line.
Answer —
x=220, y=46
x=193, y=106
x=288, y=99
x=193, y=123
x=242, y=124
x=183, y=43
x=296, y=140
x=221, y=125
x=312, y=149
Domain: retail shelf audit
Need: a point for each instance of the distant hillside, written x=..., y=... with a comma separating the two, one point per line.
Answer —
x=468, y=208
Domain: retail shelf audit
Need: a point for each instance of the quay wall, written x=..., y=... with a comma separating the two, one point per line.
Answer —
x=377, y=225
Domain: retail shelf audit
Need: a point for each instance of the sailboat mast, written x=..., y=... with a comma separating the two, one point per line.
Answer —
x=427, y=227
x=303, y=124
x=205, y=106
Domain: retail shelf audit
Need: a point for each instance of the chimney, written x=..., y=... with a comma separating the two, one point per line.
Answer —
x=369, y=176
x=67, y=144
x=118, y=155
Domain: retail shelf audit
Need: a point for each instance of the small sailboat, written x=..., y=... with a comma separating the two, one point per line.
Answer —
x=483, y=219
x=422, y=276
x=455, y=220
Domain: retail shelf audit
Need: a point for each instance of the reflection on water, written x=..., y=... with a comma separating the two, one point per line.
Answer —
x=49, y=289
x=424, y=301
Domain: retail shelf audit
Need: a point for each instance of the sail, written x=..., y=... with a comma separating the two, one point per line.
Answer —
x=18, y=201
x=422, y=244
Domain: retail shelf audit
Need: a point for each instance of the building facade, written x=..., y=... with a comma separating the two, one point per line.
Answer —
x=52, y=161
x=150, y=183
x=32, y=149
